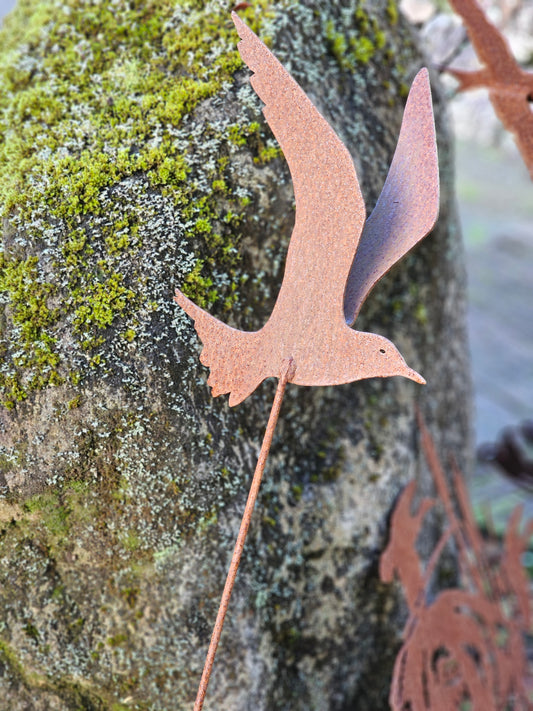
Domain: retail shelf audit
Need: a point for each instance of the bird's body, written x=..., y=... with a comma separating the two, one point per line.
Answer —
x=334, y=256
x=324, y=353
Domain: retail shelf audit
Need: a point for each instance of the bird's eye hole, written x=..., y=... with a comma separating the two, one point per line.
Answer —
x=382, y=350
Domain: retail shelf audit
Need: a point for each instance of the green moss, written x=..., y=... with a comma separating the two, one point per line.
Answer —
x=403, y=90
x=131, y=541
x=380, y=38
x=59, y=512
x=363, y=50
x=338, y=44
x=421, y=314
x=362, y=20
x=27, y=295
x=392, y=12
x=208, y=520
x=357, y=44
x=31, y=631
x=297, y=491
x=58, y=592
x=268, y=153
x=117, y=640
x=72, y=692
x=110, y=88
x=99, y=305
x=199, y=287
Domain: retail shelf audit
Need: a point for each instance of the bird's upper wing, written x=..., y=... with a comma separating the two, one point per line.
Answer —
x=408, y=205
x=489, y=44
x=330, y=210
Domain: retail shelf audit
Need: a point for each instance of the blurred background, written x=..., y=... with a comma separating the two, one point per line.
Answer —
x=495, y=195
x=6, y=6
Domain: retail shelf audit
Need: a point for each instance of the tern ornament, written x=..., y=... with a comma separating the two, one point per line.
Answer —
x=335, y=257
x=510, y=87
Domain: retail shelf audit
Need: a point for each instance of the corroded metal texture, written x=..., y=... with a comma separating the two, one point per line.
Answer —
x=510, y=87
x=334, y=257
x=464, y=646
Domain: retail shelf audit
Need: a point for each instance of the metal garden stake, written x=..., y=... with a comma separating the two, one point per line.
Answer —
x=334, y=259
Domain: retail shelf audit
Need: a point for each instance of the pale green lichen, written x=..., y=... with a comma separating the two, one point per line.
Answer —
x=92, y=96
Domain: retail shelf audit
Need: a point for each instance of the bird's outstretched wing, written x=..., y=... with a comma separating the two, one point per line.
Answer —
x=408, y=206
x=489, y=44
x=509, y=85
x=330, y=210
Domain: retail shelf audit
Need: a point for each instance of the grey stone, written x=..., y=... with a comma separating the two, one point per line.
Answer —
x=123, y=480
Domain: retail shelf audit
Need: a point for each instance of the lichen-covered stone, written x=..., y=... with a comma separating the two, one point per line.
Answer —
x=133, y=159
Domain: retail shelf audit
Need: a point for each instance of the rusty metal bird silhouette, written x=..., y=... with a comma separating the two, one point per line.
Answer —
x=334, y=259
x=510, y=87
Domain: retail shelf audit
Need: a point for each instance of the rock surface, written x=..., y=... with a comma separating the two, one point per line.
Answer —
x=133, y=159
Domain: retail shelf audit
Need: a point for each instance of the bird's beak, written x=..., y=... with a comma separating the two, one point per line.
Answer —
x=413, y=375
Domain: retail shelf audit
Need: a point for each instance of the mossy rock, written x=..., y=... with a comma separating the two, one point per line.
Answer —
x=133, y=159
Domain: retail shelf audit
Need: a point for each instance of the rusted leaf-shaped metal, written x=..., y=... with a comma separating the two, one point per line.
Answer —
x=323, y=285
x=463, y=648
x=510, y=87
x=408, y=205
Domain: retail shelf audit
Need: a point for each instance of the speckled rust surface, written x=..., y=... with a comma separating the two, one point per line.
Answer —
x=334, y=257
x=463, y=648
x=510, y=87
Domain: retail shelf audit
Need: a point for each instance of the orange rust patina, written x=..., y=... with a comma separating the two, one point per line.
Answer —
x=510, y=87
x=334, y=259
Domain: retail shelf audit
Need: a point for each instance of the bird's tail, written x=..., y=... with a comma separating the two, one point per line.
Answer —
x=233, y=356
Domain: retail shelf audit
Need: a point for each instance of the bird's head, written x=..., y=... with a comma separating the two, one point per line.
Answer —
x=389, y=360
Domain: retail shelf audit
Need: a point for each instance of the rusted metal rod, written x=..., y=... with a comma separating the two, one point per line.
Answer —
x=287, y=373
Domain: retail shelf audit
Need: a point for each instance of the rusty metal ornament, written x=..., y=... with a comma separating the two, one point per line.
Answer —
x=333, y=261
x=463, y=648
x=328, y=274
x=510, y=87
